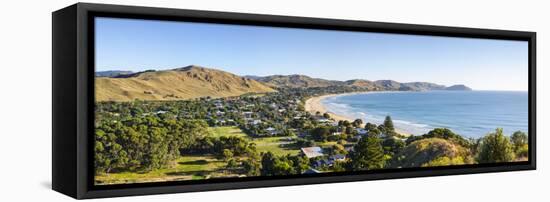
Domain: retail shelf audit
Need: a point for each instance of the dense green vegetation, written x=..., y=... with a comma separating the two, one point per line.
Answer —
x=252, y=135
x=367, y=154
x=495, y=148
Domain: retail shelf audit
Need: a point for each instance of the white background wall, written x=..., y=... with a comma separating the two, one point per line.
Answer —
x=25, y=103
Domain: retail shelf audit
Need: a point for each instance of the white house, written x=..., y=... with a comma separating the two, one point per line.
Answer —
x=312, y=152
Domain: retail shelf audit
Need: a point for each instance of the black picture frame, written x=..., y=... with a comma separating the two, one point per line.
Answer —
x=73, y=99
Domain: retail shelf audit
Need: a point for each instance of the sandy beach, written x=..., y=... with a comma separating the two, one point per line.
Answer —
x=314, y=105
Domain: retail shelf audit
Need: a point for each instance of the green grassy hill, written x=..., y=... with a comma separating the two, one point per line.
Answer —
x=432, y=152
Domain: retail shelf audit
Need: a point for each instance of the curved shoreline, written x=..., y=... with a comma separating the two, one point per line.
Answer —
x=314, y=104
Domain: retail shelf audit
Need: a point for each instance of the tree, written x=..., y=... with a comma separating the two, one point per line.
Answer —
x=326, y=115
x=370, y=126
x=520, y=141
x=443, y=133
x=388, y=125
x=349, y=130
x=301, y=163
x=283, y=166
x=495, y=147
x=227, y=154
x=381, y=128
x=231, y=163
x=251, y=167
x=339, y=166
x=338, y=149
x=346, y=123
x=375, y=132
x=268, y=161
x=357, y=123
x=393, y=146
x=367, y=154
x=321, y=133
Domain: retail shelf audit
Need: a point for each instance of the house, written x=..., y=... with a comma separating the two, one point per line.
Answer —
x=330, y=161
x=361, y=131
x=338, y=157
x=272, y=131
x=287, y=139
x=220, y=121
x=161, y=112
x=247, y=114
x=323, y=120
x=312, y=152
x=323, y=162
x=256, y=122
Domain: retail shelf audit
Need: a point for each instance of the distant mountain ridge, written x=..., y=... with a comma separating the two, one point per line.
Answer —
x=195, y=81
x=302, y=81
x=295, y=81
x=112, y=73
x=458, y=87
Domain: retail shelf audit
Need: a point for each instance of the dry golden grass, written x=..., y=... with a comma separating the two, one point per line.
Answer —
x=185, y=83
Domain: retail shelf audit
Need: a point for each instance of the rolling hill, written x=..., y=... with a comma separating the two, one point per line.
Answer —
x=363, y=84
x=458, y=87
x=181, y=83
x=295, y=81
x=432, y=152
x=195, y=81
x=303, y=81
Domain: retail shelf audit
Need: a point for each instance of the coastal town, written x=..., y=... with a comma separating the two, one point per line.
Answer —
x=286, y=131
x=322, y=138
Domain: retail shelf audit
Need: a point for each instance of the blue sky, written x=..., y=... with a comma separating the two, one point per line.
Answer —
x=137, y=45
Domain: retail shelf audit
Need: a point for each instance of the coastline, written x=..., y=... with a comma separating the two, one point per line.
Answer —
x=314, y=104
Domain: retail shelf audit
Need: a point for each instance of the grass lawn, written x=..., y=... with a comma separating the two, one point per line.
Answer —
x=263, y=144
x=227, y=131
x=276, y=145
x=185, y=168
x=327, y=144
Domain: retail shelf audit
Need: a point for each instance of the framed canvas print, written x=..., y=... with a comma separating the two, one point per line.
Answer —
x=155, y=100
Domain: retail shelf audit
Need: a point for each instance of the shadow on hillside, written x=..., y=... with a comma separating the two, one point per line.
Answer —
x=196, y=162
x=185, y=173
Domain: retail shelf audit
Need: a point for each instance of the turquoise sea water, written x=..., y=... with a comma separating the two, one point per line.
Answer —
x=468, y=113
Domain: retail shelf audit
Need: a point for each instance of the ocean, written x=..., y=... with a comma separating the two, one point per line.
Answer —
x=468, y=113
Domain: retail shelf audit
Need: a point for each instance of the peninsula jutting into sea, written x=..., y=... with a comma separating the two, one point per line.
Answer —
x=195, y=123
